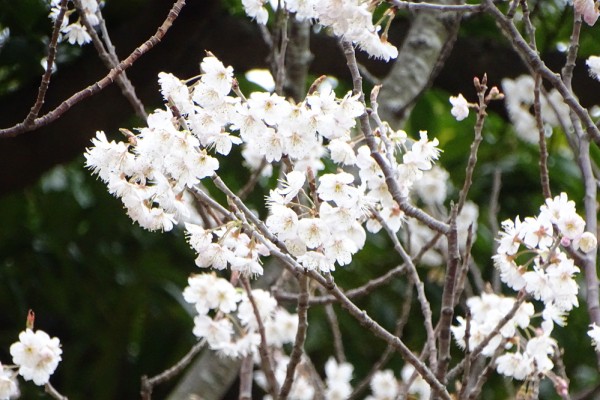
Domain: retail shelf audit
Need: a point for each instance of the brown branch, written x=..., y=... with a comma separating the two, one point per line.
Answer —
x=360, y=387
x=358, y=292
x=460, y=8
x=481, y=87
x=416, y=281
x=246, y=378
x=297, y=350
x=365, y=320
x=390, y=179
x=109, y=58
x=168, y=374
x=45, y=83
x=448, y=299
x=537, y=108
x=338, y=343
x=91, y=90
x=53, y=392
x=535, y=63
x=266, y=359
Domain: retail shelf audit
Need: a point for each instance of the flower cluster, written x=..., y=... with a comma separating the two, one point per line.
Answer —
x=227, y=319
x=156, y=169
x=551, y=276
x=75, y=32
x=519, y=99
x=486, y=312
x=352, y=20
x=529, y=258
x=37, y=355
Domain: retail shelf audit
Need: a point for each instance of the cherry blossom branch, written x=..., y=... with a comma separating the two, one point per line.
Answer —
x=448, y=298
x=27, y=126
x=591, y=212
x=467, y=369
x=279, y=53
x=484, y=375
x=460, y=8
x=360, y=387
x=364, y=319
x=537, y=108
x=466, y=262
x=266, y=359
x=53, y=392
x=297, y=350
x=148, y=384
x=416, y=281
x=109, y=58
x=45, y=83
x=589, y=183
x=275, y=246
x=521, y=297
x=481, y=87
x=567, y=70
x=358, y=292
x=246, y=377
x=493, y=212
x=336, y=333
x=533, y=60
x=390, y=180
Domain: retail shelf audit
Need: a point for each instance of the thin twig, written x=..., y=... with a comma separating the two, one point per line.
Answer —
x=416, y=281
x=378, y=365
x=53, y=392
x=149, y=383
x=461, y=8
x=481, y=87
x=246, y=378
x=493, y=221
x=388, y=173
x=448, y=296
x=338, y=343
x=45, y=83
x=93, y=89
x=487, y=372
x=537, y=107
x=109, y=58
x=297, y=350
x=533, y=60
x=358, y=292
x=364, y=319
x=281, y=52
x=266, y=359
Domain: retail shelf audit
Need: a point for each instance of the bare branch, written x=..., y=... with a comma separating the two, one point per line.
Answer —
x=99, y=85
x=297, y=350
x=45, y=83
x=149, y=383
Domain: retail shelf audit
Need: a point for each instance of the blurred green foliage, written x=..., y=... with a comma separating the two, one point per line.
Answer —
x=109, y=290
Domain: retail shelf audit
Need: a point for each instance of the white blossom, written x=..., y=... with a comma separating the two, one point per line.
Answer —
x=460, y=107
x=37, y=355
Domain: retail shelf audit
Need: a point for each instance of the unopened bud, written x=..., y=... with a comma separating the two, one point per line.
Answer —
x=30, y=320
x=495, y=93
